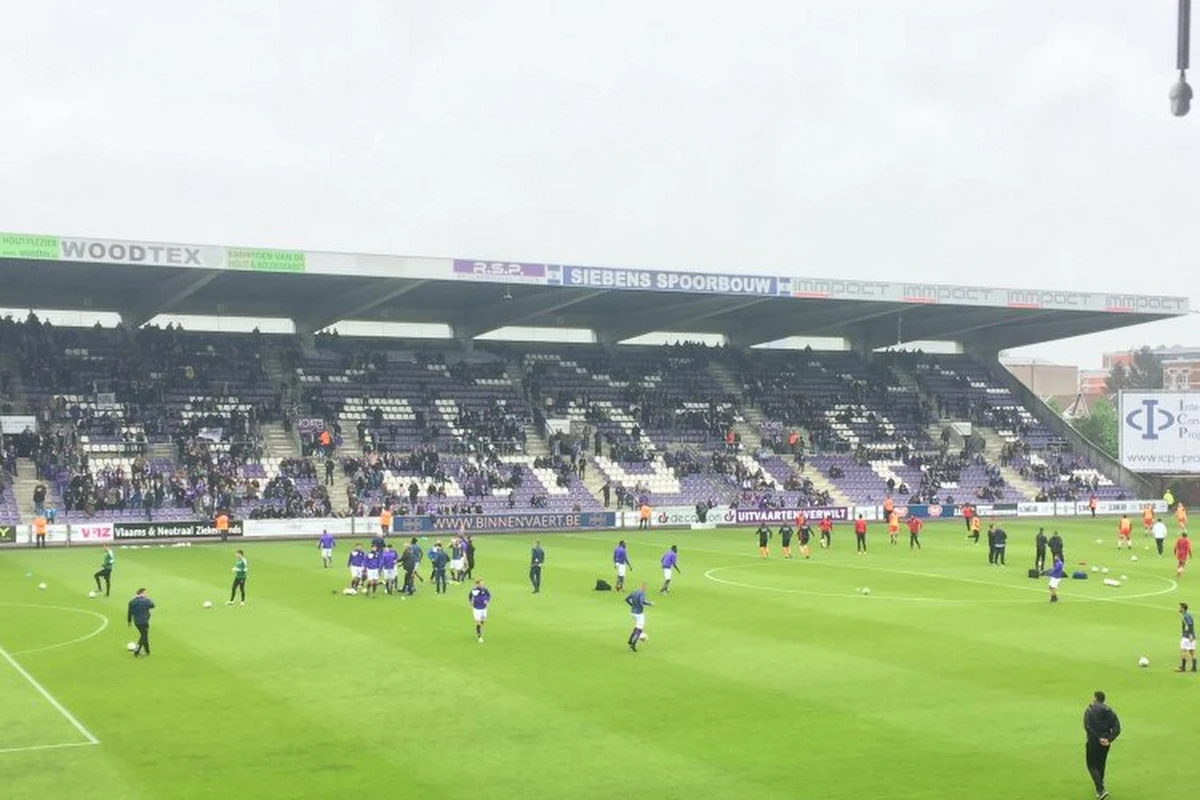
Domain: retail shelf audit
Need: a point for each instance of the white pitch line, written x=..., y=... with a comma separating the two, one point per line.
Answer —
x=36, y=747
x=50, y=698
x=103, y=626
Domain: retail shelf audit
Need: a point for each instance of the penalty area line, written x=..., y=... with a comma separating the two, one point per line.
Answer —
x=36, y=747
x=91, y=739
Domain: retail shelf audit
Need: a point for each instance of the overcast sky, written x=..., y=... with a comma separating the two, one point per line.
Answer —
x=1004, y=142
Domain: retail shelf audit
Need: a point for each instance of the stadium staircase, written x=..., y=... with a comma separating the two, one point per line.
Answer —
x=280, y=443
x=992, y=449
x=23, y=485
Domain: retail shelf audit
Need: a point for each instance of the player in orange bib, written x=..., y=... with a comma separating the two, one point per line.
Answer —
x=893, y=527
x=1181, y=516
x=1148, y=518
x=1183, y=552
x=1124, y=530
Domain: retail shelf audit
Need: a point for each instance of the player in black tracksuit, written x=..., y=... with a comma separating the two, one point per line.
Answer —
x=1039, y=560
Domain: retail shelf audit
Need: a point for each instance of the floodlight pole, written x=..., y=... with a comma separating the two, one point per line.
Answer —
x=1181, y=92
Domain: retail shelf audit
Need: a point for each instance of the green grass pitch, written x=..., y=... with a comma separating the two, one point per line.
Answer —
x=760, y=679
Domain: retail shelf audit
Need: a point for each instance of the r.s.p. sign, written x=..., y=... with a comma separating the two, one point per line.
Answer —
x=1160, y=431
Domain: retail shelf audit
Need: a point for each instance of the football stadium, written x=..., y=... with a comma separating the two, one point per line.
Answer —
x=836, y=529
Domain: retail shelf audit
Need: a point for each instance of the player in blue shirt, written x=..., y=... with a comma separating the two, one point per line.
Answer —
x=1057, y=573
x=358, y=565
x=479, y=597
x=326, y=546
x=374, y=560
x=669, y=562
x=387, y=561
x=417, y=555
x=637, y=602
x=1187, y=644
x=622, y=563
x=438, y=560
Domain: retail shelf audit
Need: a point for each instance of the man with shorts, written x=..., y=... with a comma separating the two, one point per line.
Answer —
x=326, y=547
x=1187, y=644
x=1056, y=574
x=1183, y=552
x=1125, y=533
x=458, y=559
x=826, y=527
x=785, y=539
x=373, y=563
x=893, y=523
x=637, y=603
x=670, y=561
x=914, y=532
x=860, y=536
x=357, y=562
x=479, y=597
x=764, y=538
x=387, y=562
x=621, y=563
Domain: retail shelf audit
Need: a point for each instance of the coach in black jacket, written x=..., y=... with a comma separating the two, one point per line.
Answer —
x=1102, y=727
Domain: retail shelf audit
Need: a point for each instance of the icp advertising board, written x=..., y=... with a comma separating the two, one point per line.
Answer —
x=1160, y=431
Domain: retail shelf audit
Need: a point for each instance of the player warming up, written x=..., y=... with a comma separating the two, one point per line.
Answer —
x=1183, y=552
x=637, y=602
x=621, y=563
x=479, y=597
x=804, y=535
x=1125, y=533
x=374, y=562
x=826, y=532
x=914, y=532
x=1057, y=573
x=860, y=536
x=893, y=527
x=785, y=539
x=764, y=539
x=105, y=571
x=240, y=568
x=670, y=561
x=139, y=616
x=1187, y=642
x=326, y=545
x=537, y=557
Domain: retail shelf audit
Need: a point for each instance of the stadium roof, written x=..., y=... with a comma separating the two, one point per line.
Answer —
x=141, y=279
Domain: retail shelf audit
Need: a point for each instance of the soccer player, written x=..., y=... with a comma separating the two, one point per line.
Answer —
x=826, y=531
x=1056, y=574
x=1187, y=644
x=1148, y=517
x=804, y=535
x=785, y=539
x=860, y=536
x=621, y=563
x=240, y=567
x=991, y=534
x=326, y=546
x=914, y=532
x=1183, y=552
x=414, y=547
x=408, y=562
x=1056, y=547
x=637, y=603
x=105, y=571
x=1102, y=727
x=438, y=560
x=374, y=561
x=387, y=562
x=537, y=556
x=1160, y=535
x=973, y=528
x=1124, y=532
x=893, y=527
x=764, y=537
x=357, y=564
x=385, y=521
x=469, y=554
x=479, y=598
x=969, y=517
x=457, y=559
x=1039, y=557
x=1001, y=537
x=139, y=616
x=670, y=561
x=1181, y=515
x=376, y=544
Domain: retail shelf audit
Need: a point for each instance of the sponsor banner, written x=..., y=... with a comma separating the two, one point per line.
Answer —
x=19, y=245
x=498, y=271
x=8, y=534
x=1160, y=431
x=310, y=425
x=932, y=511
x=1066, y=509
x=652, y=280
x=13, y=424
x=152, y=254
x=1131, y=507
x=98, y=532
x=774, y=516
x=124, y=531
x=679, y=517
x=485, y=523
x=241, y=258
x=312, y=528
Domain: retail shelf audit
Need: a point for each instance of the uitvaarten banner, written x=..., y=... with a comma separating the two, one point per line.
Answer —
x=757, y=516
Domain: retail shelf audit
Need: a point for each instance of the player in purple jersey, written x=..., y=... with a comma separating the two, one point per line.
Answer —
x=373, y=561
x=669, y=562
x=479, y=598
x=358, y=564
x=387, y=561
x=326, y=546
x=621, y=563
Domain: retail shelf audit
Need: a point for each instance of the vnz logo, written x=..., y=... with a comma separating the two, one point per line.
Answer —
x=1150, y=419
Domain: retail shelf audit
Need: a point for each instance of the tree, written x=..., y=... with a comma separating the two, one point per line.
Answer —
x=1143, y=373
x=1100, y=426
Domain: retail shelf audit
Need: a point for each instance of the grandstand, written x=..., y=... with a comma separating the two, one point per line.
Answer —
x=140, y=421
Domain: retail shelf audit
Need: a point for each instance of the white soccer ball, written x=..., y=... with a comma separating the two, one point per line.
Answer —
x=1143, y=662
x=866, y=590
x=349, y=592
x=643, y=638
x=1105, y=570
x=1133, y=558
x=41, y=586
x=1124, y=577
x=1099, y=541
x=91, y=594
x=1095, y=569
x=131, y=646
x=208, y=603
